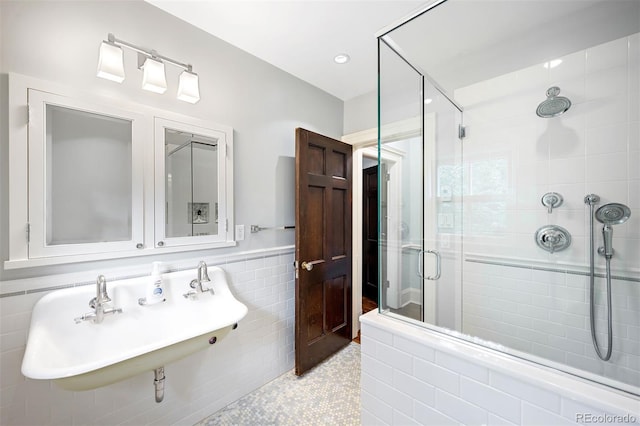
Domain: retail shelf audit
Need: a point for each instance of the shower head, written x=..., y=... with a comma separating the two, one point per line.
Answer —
x=554, y=105
x=611, y=214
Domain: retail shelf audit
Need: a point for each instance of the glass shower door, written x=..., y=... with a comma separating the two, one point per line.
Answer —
x=420, y=196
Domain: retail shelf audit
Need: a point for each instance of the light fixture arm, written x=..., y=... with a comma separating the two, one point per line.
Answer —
x=150, y=53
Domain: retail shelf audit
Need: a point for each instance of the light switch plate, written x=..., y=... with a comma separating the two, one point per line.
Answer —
x=239, y=232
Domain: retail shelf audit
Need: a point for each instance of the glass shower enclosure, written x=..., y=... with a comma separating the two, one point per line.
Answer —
x=509, y=152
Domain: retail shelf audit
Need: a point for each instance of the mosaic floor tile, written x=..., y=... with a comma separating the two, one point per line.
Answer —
x=328, y=395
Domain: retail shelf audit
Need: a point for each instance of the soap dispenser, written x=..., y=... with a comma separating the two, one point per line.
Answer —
x=155, y=288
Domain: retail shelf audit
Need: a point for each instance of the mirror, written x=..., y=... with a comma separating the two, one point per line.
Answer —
x=191, y=184
x=194, y=187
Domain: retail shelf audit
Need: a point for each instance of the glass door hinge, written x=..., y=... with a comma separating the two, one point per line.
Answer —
x=462, y=131
x=28, y=232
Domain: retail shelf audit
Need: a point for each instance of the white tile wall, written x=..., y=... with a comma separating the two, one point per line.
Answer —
x=453, y=383
x=593, y=148
x=260, y=349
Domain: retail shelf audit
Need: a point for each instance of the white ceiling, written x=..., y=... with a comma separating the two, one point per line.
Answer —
x=302, y=36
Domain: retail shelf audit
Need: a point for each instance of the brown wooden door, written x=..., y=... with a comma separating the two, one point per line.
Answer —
x=370, y=233
x=323, y=248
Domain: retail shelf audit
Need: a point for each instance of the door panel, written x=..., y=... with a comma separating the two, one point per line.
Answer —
x=323, y=248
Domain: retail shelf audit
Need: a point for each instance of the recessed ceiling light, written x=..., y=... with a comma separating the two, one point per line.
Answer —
x=341, y=58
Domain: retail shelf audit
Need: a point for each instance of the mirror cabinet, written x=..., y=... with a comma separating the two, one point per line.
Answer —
x=93, y=179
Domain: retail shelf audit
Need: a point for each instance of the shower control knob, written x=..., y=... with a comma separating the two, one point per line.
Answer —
x=552, y=200
x=553, y=238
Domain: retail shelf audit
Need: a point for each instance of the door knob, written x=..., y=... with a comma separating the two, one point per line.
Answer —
x=307, y=265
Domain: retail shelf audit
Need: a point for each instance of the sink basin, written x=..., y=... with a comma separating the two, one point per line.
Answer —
x=86, y=355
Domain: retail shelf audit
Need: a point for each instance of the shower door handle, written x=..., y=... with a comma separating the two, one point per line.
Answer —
x=421, y=263
x=438, y=265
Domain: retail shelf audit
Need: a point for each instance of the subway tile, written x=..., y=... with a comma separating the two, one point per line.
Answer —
x=462, y=367
x=536, y=416
x=567, y=345
x=401, y=419
x=384, y=372
x=427, y=415
x=606, y=167
x=377, y=334
x=494, y=420
x=413, y=387
x=606, y=83
x=459, y=409
x=578, y=412
x=377, y=408
x=436, y=376
x=606, y=111
x=490, y=399
x=606, y=139
x=413, y=348
x=607, y=55
x=395, y=358
x=394, y=397
x=525, y=391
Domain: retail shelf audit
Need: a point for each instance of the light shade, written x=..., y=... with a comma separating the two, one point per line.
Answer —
x=153, y=78
x=110, y=63
x=188, y=89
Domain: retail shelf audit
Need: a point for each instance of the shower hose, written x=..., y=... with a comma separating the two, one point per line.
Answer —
x=592, y=279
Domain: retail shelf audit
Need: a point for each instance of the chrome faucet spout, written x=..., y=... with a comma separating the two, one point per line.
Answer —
x=99, y=303
x=101, y=290
x=203, y=276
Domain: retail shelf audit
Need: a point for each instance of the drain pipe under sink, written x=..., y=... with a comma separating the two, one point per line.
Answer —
x=158, y=382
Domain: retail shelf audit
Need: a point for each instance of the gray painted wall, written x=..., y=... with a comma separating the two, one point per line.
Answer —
x=361, y=113
x=58, y=41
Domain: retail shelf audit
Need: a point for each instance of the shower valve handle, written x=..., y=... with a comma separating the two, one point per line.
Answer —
x=551, y=200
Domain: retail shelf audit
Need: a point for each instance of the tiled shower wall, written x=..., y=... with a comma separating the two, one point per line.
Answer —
x=511, y=159
x=261, y=349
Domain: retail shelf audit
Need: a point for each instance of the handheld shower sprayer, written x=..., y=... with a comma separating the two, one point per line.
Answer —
x=610, y=214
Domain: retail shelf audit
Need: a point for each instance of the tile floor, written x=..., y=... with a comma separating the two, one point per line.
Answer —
x=327, y=395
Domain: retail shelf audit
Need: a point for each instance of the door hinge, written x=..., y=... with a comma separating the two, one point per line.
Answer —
x=462, y=131
x=387, y=176
x=28, y=232
x=226, y=225
x=387, y=284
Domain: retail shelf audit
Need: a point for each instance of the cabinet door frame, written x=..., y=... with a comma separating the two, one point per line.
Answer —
x=37, y=187
x=224, y=137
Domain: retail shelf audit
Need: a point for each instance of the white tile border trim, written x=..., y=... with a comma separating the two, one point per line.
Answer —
x=24, y=286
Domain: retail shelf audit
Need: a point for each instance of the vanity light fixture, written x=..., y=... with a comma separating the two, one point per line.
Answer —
x=111, y=63
x=153, y=78
x=188, y=89
x=111, y=67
